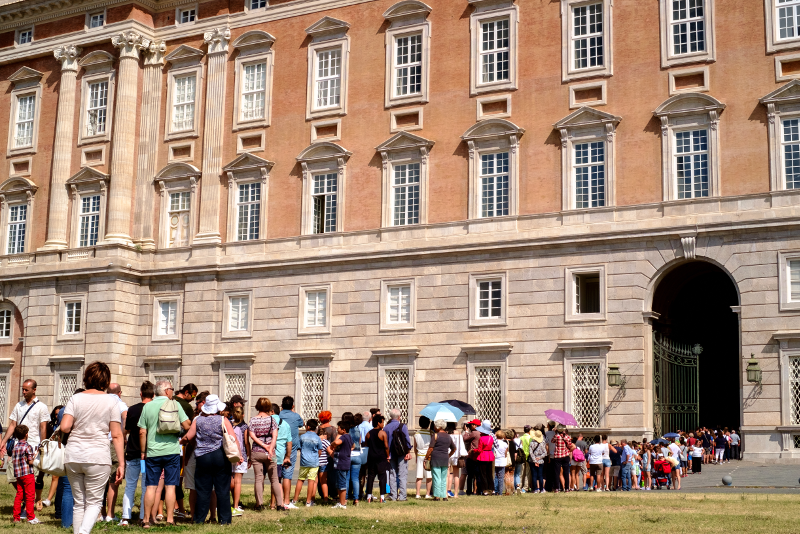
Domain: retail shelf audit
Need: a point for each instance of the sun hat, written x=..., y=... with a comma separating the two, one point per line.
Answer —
x=212, y=405
x=486, y=427
x=537, y=436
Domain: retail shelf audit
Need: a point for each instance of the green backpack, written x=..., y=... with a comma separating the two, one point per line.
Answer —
x=168, y=419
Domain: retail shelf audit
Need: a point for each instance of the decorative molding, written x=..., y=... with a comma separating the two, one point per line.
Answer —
x=396, y=351
x=217, y=40
x=235, y=357
x=577, y=344
x=129, y=44
x=312, y=354
x=67, y=55
x=155, y=53
x=689, y=244
x=482, y=348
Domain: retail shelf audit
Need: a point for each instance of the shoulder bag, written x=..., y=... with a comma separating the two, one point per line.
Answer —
x=50, y=456
x=13, y=441
x=229, y=446
x=426, y=464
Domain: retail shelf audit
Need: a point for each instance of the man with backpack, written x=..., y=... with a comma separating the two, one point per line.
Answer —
x=400, y=453
x=159, y=429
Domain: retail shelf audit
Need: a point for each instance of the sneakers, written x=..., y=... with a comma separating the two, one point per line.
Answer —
x=237, y=508
x=237, y=513
x=108, y=519
x=339, y=506
x=291, y=506
x=310, y=504
x=123, y=523
x=34, y=521
x=450, y=494
x=419, y=496
x=383, y=499
x=369, y=498
x=429, y=496
x=46, y=503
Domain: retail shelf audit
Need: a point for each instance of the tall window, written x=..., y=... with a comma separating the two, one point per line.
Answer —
x=586, y=394
x=691, y=163
x=399, y=304
x=72, y=320
x=494, y=184
x=325, y=203
x=794, y=390
x=490, y=299
x=408, y=67
x=688, y=27
x=89, y=220
x=788, y=18
x=587, y=293
x=488, y=394
x=396, y=382
x=258, y=4
x=249, y=206
x=239, y=312
x=235, y=384
x=329, y=78
x=405, y=194
x=794, y=280
x=3, y=395
x=590, y=174
x=96, y=20
x=183, y=103
x=96, y=108
x=187, y=15
x=316, y=308
x=17, y=222
x=587, y=36
x=5, y=325
x=313, y=393
x=179, y=218
x=23, y=131
x=494, y=51
x=167, y=317
x=791, y=152
x=254, y=91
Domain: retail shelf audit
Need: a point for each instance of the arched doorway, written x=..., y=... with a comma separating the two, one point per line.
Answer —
x=693, y=302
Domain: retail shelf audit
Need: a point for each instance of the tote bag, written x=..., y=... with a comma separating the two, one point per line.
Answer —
x=50, y=457
x=229, y=445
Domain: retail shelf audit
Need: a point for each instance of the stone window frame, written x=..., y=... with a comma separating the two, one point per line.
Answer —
x=90, y=14
x=97, y=68
x=247, y=169
x=18, y=31
x=254, y=47
x=185, y=144
x=318, y=158
x=5, y=374
x=311, y=362
x=668, y=59
x=302, y=329
x=157, y=300
x=785, y=302
x=597, y=84
x=782, y=103
x=583, y=125
x=678, y=73
x=568, y=72
x=227, y=333
x=26, y=82
x=571, y=315
x=66, y=365
x=87, y=181
x=397, y=358
x=323, y=123
x=489, y=355
x=689, y=111
x=487, y=11
x=85, y=162
x=235, y=363
x=399, y=112
x=14, y=191
x=327, y=34
x=184, y=61
x=474, y=294
x=491, y=99
x=780, y=76
x=774, y=44
x=12, y=161
x=493, y=136
x=589, y=352
x=5, y=306
x=174, y=178
x=62, y=335
x=401, y=149
x=180, y=9
x=788, y=347
x=386, y=284
x=407, y=18
x=164, y=366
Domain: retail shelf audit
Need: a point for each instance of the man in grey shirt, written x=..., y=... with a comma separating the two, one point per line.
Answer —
x=735, y=451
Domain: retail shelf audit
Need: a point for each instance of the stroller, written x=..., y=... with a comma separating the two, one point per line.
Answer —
x=662, y=469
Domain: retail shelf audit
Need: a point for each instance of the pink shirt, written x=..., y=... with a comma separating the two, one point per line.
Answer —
x=485, y=445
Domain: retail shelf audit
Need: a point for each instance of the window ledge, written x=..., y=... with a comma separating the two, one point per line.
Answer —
x=72, y=358
x=585, y=318
x=235, y=357
x=396, y=328
x=165, y=339
x=236, y=334
x=190, y=134
x=260, y=123
x=585, y=344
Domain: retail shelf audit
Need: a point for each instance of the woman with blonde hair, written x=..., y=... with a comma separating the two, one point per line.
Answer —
x=264, y=432
x=439, y=451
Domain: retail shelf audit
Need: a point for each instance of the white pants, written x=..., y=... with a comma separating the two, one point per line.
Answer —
x=133, y=469
x=720, y=454
x=88, y=483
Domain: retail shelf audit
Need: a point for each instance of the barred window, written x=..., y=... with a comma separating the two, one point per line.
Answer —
x=235, y=384
x=3, y=396
x=96, y=108
x=494, y=51
x=167, y=317
x=396, y=395
x=788, y=19
x=254, y=91
x=494, y=184
x=329, y=78
x=590, y=175
x=691, y=163
x=688, y=26
x=399, y=304
x=183, y=102
x=23, y=131
x=794, y=280
x=178, y=214
x=313, y=393
x=791, y=153
x=17, y=225
x=408, y=66
x=488, y=394
x=249, y=206
x=72, y=319
x=239, y=313
x=794, y=390
x=405, y=194
x=89, y=220
x=586, y=394
x=490, y=299
x=587, y=36
x=67, y=384
x=316, y=308
x=5, y=326
x=324, y=197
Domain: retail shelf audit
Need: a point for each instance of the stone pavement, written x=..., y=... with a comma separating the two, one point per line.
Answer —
x=748, y=477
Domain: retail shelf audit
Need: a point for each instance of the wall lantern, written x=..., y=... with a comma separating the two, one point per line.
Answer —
x=753, y=370
x=615, y=379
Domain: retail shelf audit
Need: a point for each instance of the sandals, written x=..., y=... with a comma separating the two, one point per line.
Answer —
x=145, y=525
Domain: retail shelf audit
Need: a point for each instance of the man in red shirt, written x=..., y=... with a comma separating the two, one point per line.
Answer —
x=561, y=442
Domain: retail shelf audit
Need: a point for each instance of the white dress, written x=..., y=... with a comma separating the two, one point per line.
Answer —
x=422, y=440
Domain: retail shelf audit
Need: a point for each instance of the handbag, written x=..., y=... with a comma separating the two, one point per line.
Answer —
x=50, y=456
x=426, y=463
x=229, y=445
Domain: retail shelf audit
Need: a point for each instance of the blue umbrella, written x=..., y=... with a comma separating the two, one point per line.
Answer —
x=659, y=441
x=437, y=410
x=672, y=435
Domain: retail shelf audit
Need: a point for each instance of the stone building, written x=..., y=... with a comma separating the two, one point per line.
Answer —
x=578, y=204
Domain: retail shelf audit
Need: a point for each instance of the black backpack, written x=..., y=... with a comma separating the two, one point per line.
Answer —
x=399, y=443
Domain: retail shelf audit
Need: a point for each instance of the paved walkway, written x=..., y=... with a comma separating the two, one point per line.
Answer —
x=748, y=477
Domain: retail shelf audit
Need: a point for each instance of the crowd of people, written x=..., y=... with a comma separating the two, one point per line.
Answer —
x=170, y=447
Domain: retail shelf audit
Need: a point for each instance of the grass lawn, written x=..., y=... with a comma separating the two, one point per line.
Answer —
x=657, y=511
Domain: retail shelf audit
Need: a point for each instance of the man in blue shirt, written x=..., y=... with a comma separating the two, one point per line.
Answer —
x=295, y=423
x=398, y=473
x=626, y=459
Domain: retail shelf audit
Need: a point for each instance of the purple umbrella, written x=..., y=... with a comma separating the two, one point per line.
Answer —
x=561, y=417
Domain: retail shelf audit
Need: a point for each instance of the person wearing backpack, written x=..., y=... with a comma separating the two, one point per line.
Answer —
x=400, y=453
x=159, y=429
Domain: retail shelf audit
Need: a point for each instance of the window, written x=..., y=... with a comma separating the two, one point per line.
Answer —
x=67, y=384
x=590, y=171
x=89, y=220
x=408, y=65
x=327, y=68
x=586, y=394
x=17, y=223
x=167, y=317
x=96, y=108
x=407, y=53
x=313, y=394
x=3, y=395
x=396, y=393
x=789, y=280
x=25, y=36
x=494, y=47
x=249, y=206
x=258, y=4
x=234, y=374
x=487, y=373
x=25, y=116
x=253, y=84
x=405, y=194
x=328, y=79
x=236, y=384
x=72, y=317
x=97, y=20
x=5, y=326
x=587, y=293
x=794, y=280
x=791, y=153
x=167, y=314
x=691, y=163
x=400, y=304
x=494, y=51
x=314, y=313
x=316, y=309
x=187, y=15
x=178, y=215
x=688, y=27
x=405, y=176
x=239, y=313
x=494, y=185
x=253, y=92
x=183, y=103
x=324, y=199
x=488, y=300
x=587, y=36
x=788, y=19
x=794, y=390
x=488, y=393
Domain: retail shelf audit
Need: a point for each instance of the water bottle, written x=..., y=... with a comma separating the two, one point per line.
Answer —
x=141, y=463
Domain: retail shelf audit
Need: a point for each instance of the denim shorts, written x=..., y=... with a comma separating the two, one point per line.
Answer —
x=342, y=478
x=606, y=462
x=170, y=464
x=323, y=468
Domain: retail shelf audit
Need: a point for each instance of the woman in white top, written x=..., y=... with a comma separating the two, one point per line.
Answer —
x=595, y=459
x=454, y=477
x=88, y=418
x=500, y=448
x=422, y=440
x=606, y=461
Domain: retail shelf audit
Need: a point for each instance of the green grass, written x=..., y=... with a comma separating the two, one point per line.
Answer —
x=528, y=514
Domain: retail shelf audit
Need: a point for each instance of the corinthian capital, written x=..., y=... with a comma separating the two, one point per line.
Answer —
x=129, y=43
x=67, y=55
x=217, y=40
x=154, y=55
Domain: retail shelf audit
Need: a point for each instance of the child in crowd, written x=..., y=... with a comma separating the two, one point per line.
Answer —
x=22, y=458
x=340, y=450
x=241, y=430
x=310, y=451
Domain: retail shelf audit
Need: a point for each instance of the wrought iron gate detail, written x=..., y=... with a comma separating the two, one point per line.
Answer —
x=676, y=385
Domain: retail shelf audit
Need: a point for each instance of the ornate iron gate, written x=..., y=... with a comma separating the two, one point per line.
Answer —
x=676, y=385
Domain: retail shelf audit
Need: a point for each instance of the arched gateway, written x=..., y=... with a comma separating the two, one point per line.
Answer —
x=696, y=369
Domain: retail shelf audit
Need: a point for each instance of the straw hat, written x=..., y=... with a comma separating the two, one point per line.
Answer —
x=537, y=436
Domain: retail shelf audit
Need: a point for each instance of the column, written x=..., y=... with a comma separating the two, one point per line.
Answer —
x=123, y=143
x=148, y=145
x=62, y=148
x=217, y=41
